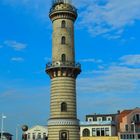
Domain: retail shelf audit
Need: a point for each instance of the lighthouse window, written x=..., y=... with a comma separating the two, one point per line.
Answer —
x=63, y=57
x=63, y=40
x=63, y=135
x=63, y=24
x=63, y=107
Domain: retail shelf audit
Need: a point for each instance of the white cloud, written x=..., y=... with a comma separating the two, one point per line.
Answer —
x=133, y=60
x=17, y=46
x=99, y=17
x=91, y=60
x=17, y=59
x=116, y=78
x=112, y=15
x=38, y=7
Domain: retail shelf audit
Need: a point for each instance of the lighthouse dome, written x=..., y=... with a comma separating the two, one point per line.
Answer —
x=61, y=1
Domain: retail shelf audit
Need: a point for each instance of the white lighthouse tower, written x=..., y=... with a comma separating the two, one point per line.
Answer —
x=63, y=70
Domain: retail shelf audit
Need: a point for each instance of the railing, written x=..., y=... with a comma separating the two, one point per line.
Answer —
x=63, y=64
x=59, y=2
x=99, y=123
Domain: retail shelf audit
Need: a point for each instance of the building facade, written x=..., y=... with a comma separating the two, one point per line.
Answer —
x=6, y=136
x=63, y=70
x=99, y=125
x=37, y=132
x=129, y=124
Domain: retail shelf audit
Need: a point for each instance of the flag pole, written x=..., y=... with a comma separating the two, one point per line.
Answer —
x=2, y=126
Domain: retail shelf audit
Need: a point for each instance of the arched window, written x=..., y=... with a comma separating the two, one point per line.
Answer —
x=136, y=118
x=63, y=40
x=63, y=57
x=63, y=107
x=63, y=135
x=86, y=132
x=63, y=24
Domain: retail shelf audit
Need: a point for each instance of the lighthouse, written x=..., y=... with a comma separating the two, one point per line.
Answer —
x=63, y=71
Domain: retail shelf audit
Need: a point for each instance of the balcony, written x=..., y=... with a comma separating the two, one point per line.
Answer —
x=65, y=64
x=65, y=6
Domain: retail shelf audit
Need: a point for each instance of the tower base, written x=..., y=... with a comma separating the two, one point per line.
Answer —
x=63, y=129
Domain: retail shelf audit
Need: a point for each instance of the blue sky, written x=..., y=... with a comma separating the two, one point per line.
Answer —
x=107, y=44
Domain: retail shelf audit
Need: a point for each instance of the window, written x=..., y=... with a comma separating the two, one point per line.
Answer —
x=102, y=132
x=107, y=131
x=121, y=136
x=127, y=136
x=133, y=136
x=94, y=118
x=63, y=40
x=104, y=118
x=132, y=127
x=28, y=136
x=126, y=127
x=63, y=57
x=137, y=117
x=93, y=131
x=44, y=136
x=124, y=136
x=86, y=132
x=99, y=119
x=130, y=136
x=39, y=136
x=33, y=136
x=109, y=118
x=98, y=132
x=63, y=24
x=138, y=136
x=63, y=135
x=90, y=119
x=63, y=107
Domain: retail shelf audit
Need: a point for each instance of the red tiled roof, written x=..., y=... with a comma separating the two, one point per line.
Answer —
x=123, y=114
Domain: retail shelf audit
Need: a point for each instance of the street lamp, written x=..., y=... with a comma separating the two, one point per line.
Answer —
x=17, y=131
x=134, y=130
x=2, y=124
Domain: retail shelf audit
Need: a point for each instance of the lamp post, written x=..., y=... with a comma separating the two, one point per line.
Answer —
x=134, y=130
x=17, y=131
x=2, y=124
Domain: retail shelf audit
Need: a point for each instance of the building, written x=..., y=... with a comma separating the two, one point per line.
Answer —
x=129, y=124
x=6, y=136
x=99, y=125
x=37, y=132
x=63, y=71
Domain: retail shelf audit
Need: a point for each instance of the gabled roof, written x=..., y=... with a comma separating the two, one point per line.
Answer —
x=6, y=134
x=123, y=114
x=37, y=128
